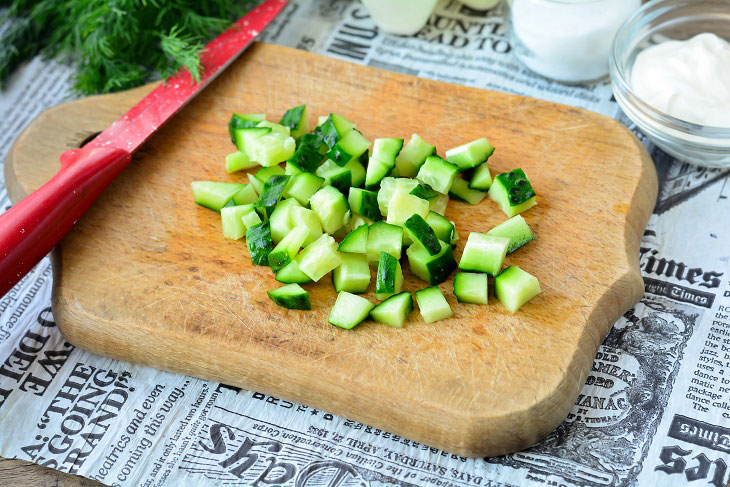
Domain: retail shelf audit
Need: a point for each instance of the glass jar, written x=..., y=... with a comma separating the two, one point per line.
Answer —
x=402, y=17
x=566, y=40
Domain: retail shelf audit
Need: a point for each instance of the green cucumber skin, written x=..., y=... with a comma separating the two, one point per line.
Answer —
x=424, y=191
x=290, y=274
x=422, y=232
x=365, y=203
x=387, y=269
x=291, y=297
x=386, y=150
x=296, y=119
x=243, y=122
x=471, y=287
x=484, y=253
x=356, y=242
x=260, y=243
x=338, y=155
x=271, y=194
x=306, y=158
x=517, y=186
x=441, y=226
x=437, y=268
x=278, y=260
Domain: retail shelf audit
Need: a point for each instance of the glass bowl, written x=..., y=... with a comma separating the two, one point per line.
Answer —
x=655, y=22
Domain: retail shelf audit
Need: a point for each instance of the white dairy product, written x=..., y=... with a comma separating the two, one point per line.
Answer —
x=404, y=17
x=689, y=80
x=567, y=40
x=480, y=4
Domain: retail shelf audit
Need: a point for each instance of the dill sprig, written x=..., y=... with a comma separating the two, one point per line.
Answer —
x=115, y=44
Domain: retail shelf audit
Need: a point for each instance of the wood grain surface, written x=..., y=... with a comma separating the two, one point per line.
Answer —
x=146, y=275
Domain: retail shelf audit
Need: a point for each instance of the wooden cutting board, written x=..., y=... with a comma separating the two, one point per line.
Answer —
x=146, y=275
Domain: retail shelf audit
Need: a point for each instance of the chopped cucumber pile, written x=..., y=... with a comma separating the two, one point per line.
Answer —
x=349, y=206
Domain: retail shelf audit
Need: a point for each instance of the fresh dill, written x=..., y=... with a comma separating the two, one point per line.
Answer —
x=115, y=44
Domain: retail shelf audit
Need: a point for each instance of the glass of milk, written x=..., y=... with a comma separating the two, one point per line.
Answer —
x=566, y=40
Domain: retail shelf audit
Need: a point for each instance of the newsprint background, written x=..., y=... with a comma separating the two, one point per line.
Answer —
x=654, y=411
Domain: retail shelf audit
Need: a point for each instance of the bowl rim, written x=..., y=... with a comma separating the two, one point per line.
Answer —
x=620, y=82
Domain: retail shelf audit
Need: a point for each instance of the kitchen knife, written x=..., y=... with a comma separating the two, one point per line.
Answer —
x=31, y=228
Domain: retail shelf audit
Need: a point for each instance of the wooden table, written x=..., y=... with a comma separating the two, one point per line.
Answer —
x=21, y=474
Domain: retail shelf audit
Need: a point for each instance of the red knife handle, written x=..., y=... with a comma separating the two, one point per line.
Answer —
x=31, y=228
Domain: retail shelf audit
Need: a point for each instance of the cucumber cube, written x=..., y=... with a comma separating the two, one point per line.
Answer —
x=270, y=150
x=413, y=155
x=243, y=120
x=394, y=311
x=291, y=296
x=308, y=155
x=292, y=168
x=231, y=220
x=356, y=242
x=424, y=191
x=484, y=253
x=244, y=136
x=251, y=219
x=437, y=173
x=266, y=173
x=376, y=172
x=297, y=121
x=214, y=195
x=292, y=274
x=386, y=150
x=443, y=228
x=358, y=172
x=515, y=287
x=319, y=258
x=333, y=129
x=285, y=251
x=516, y=230
x=433, y=269
x=513, y=192
x=470, y=287
x=331, y=207
x=439, y=204
x=384, y=237
x=349, y=147
x=470, y=155
x=404, y=205
x=433, y=305
x=339, y=177
x=271, y=193
x=481, y=178
x=247, y=194
x=281, y=223
x=307, y=218
x=238, y=161
x=259, y=243
x=364, y=203
x=303, y=186
x=389, y=186
x=353, y=275
x=421, y=232
x=349, y=310
x=461, y=191
x=389, y=280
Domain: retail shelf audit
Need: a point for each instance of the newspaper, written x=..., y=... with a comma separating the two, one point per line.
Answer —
x=655, y=409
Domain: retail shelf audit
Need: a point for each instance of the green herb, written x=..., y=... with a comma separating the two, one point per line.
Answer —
x=115, y=44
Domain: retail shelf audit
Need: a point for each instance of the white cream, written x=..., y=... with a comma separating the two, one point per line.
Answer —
x=404, y=17
x=689, y=80
x=480, y=4
x=567, y=40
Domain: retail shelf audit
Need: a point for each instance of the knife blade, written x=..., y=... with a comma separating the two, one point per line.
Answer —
x=32, y=227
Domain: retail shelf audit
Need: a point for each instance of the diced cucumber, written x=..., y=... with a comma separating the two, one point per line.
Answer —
x=386, y=150
x=439, y=204
x=271, y=193
x=303, y=186
x=515, y=287
x=247, y=194
x=308, y=155
x=442, y=227
x=321, y=119
x=251, y=219
x=394, y=311
x=376, y=171
x=389, y=280
x=413, y=155
x=297, y=121
x=292, y=274
x=232, y=223
x=291, y=296
x=364, y=203
x=265, y=173
x=437, y=173
x=454, y=236
x=271, y=149
x=433, y=305
x=319, y=257
x=305, y=217
x=257, y=185
x=214, y=195
x=516, y=230
x=334, y=175
x=425, y=192
x=384, y=237
x=242, y=121
x=471, y=287
x=356, y=242
x=484, y=253
x=481, y=178
x=292, y=169
x=404, y=205
x=389, y=186
x=421, y=232
x=333, y=129
x=358, y=172
x=433, y=269
x=287, y=249
x=331, y=207
x=513, y=192
x=238, y=161
x=259, y=243
x=460, y=190
x=357, y=221
x=244, y=136
x=276, y=128
x=349, y=310
x=353, y=275
x=281, y=222
x=470, y=155
x=351, y=146
x=342, y=124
